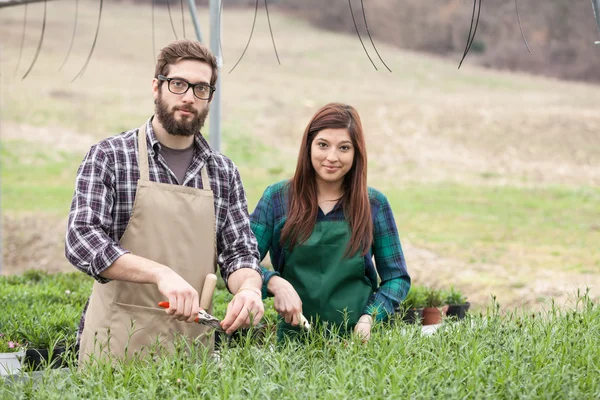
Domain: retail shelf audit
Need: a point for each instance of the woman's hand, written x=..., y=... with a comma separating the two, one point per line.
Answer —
x=287, y=302
x=363, y=327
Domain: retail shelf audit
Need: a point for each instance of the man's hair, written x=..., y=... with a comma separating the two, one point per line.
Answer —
x=185, y=49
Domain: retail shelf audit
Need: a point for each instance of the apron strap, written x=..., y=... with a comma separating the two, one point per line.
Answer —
x=206, y=186
x=143, y=154
x=205, y=181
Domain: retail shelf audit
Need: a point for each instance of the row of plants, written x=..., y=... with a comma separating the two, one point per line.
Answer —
x=427, y=305
x=40, y=316
x=42, y=310
x=551, y=354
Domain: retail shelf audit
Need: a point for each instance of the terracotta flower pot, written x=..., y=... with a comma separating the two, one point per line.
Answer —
x=432, y=315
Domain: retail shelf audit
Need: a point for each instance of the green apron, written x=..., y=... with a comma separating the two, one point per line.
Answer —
x=332, y=287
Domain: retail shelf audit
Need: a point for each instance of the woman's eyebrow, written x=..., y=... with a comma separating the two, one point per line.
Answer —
x=340, y=143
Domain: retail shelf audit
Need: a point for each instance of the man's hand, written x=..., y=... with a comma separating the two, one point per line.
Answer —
x=247, y=303
x=363, y=327
x=287, y=302
x=244, y=309
x=183, y=298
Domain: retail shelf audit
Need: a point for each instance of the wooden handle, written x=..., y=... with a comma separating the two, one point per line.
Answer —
x=208, y=290
x=304, y=322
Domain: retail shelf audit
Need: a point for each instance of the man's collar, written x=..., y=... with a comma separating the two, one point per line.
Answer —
x=202, y=146
x=154, y=143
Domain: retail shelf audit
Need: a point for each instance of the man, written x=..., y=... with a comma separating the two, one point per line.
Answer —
x=143, y=219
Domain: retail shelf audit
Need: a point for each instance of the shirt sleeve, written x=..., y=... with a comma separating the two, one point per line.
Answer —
x=88, y=245
x=262, y=222
x=236, y=244
x=390, y=264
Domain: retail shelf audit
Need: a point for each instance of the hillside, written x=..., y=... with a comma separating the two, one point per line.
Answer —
x=489, y=173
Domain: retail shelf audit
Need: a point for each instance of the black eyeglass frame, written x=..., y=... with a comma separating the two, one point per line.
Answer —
x=190, y=85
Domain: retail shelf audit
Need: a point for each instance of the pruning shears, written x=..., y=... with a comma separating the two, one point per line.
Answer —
x=203, y=317
x=207, y=319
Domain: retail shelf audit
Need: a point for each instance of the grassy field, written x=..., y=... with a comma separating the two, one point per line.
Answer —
x=493, y=177
x=518, y=358
x=519, y=355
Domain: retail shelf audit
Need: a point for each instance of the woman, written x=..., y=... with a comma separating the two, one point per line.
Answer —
x=323, y=228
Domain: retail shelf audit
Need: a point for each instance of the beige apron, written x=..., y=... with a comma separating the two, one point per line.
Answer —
x=175, y=226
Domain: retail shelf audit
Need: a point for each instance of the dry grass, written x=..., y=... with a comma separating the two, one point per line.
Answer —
x=425, y=122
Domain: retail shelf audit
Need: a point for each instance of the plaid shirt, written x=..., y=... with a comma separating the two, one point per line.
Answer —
x=269, y=216
x=105, y=190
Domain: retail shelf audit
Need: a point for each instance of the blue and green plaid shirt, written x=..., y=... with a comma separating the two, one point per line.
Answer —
x=269, y=217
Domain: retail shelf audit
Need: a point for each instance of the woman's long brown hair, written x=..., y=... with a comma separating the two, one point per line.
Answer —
x=302, y=202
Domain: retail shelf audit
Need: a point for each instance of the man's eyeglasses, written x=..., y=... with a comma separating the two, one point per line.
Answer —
x=202, y=91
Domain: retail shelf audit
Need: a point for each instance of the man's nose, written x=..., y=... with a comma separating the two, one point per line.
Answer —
x=188, y=96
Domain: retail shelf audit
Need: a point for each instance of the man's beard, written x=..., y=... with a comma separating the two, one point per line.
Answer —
x=184, y=127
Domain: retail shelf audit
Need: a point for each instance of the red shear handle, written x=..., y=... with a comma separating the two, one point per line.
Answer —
x=207, y=294
x=165, y=304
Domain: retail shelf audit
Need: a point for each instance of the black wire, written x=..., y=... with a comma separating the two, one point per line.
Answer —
x=39, y=47
x=476, y=26
x=249, y=39
x=22, y=39
x=368, y=33
x=171, y=18
x=470, y=29
x=521, y=27
x=271, y=30
x=470, y=42
x=358, y=34
x=182, y=18
x=87, y=61
x=72, y=36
